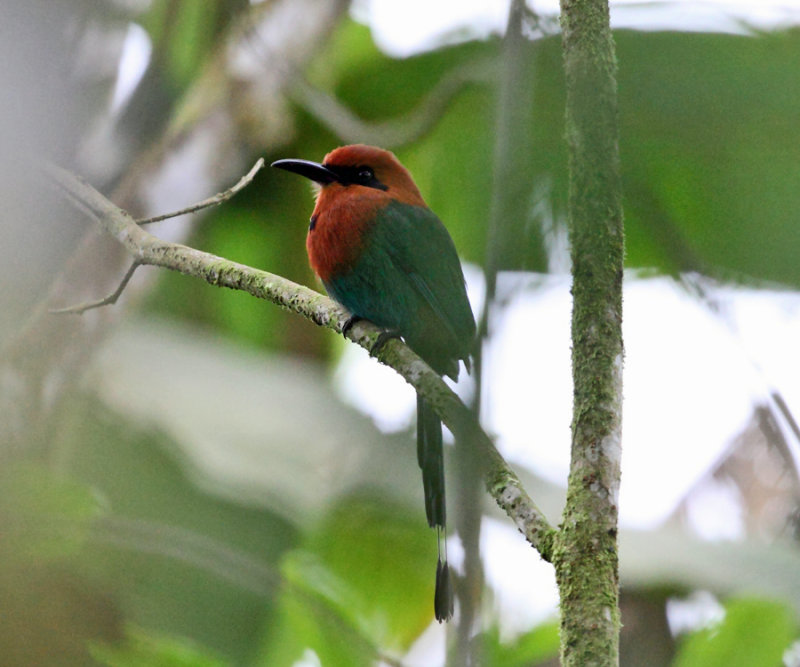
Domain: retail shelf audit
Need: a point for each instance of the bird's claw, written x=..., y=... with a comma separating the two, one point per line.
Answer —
x=383, y=338
x=353, y=319
x=380, y=341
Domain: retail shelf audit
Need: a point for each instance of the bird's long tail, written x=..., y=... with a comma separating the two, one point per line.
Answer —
x=431, y=460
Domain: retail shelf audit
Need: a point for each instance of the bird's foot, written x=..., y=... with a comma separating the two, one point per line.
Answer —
x=383, y=338
x=353, y=319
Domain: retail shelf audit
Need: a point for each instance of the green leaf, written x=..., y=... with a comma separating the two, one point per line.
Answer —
x=708, y=156
x=708, y=159
x=364, y=580
x=307, y=621
x=754, y=632
x=387, y=555
x=144, y=647
x=531, y=648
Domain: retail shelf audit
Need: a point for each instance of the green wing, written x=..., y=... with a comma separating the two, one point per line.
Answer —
x=422, y=252
x=409, y=279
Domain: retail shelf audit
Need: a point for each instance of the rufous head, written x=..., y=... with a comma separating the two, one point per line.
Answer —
x=350, y=168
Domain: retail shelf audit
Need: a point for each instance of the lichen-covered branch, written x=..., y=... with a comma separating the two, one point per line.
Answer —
x=146, y=249
x=585, y=556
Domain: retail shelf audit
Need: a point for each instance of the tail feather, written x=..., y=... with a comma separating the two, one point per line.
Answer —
x=431, y=460
x=430, y=457
x=443, y=598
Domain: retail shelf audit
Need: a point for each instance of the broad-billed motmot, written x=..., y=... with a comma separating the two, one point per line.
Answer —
x=386, y=257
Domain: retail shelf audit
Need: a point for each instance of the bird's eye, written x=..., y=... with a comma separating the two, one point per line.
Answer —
x=365, y=174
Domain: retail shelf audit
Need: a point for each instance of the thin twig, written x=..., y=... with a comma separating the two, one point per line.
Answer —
x=112, y=298
x=501, y=482
x=107, y=301
x=216, y=200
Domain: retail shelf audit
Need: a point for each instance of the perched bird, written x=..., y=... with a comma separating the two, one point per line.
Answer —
x=386, y=257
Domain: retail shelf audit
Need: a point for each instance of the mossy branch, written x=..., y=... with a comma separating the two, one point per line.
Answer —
x=586, y=556
x=146, y=249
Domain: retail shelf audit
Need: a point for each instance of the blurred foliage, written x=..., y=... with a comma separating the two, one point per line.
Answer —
x=203, y=580
x=708, y=152
x=35, y=504
x=753, y=632
x=50, y=609
x=142, y=647
x=530, y=648
x=184, y=33
x=161, y=561
x=344, y=597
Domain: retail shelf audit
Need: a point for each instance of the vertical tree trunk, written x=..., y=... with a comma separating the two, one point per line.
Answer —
x=585, y=557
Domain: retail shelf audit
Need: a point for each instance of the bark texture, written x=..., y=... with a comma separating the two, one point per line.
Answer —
x=585, y=557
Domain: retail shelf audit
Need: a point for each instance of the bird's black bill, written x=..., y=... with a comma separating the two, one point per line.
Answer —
x=312, y=170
